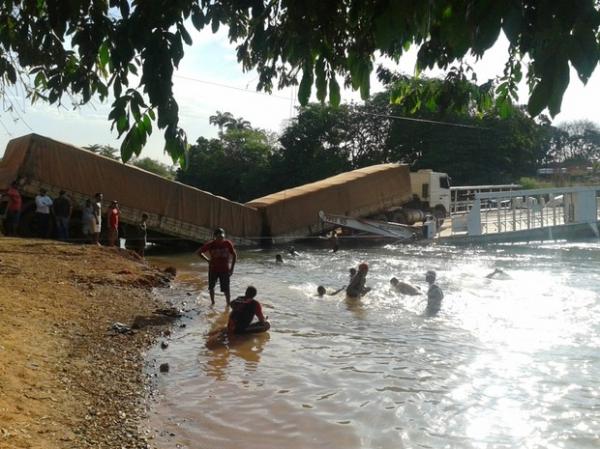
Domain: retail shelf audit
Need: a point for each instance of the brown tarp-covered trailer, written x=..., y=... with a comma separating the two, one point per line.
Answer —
x=357, y=193
x=40, y=161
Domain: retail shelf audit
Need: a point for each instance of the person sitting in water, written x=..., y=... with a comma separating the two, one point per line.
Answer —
x=498, y=273
x=403, y=288
x=434, y=295
x=244, y=309
x=357, y=288
x=278, y=259
x=322, y=291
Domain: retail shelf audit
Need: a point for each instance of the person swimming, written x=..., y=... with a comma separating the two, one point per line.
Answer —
x=357, y=288
x=322, y=291
x=499, y=273
x=278, y=259
x=403, y=288
x=434, y=295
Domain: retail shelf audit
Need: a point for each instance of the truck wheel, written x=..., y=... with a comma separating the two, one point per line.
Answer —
x=409, y=216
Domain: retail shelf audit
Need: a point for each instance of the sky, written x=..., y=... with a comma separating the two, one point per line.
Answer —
x=209, y=79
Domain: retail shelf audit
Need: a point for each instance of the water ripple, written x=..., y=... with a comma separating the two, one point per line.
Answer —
x=508, y=363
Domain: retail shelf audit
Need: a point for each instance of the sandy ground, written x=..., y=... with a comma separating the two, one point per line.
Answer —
x=66, y=379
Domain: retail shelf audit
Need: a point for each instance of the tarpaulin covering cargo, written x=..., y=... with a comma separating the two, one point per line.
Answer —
x=51, y=163
x=357, y=194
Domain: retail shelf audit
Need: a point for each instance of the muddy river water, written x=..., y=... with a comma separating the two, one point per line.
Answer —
x=508, y=363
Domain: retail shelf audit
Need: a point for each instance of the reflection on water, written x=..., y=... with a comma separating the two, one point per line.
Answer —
x=507, y=363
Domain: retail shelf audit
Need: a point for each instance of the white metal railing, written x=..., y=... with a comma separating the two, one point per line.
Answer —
x=509, y=211
x=462, y=197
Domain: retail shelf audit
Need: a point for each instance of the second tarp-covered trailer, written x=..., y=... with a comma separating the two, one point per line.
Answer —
x=294, y=212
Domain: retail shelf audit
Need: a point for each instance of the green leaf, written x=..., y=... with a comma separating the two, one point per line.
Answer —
x=103, y=54
x=334, y=91
x=365, y=82
x=197, y=17
x=384, y=31
x=215, y=24
x=185, y=35
x=512, y=23
x=11, y=74
x=128, y=146
x=538, y=99
x=147, y=124
x=504, y=107
x=560, y=82
x=40, y=80
x=305, y=85
x=583, y=52
x=321, y=80
x=122, y=124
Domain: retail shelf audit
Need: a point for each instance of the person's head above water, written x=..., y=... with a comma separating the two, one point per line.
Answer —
x=363, y=267
x=278, y=258
x=394, y=281
x=430, y=276
x=251, y=292
x=219, y=233
x=321, y=290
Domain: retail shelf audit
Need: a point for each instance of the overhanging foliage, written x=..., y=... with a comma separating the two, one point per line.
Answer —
x=90, y=48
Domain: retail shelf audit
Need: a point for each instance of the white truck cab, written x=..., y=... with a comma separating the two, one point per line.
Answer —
x=432, y=189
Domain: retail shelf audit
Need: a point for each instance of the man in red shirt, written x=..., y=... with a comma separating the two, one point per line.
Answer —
x=220, y=251
x=113, y=223
x=244, y=309
x=13, y=209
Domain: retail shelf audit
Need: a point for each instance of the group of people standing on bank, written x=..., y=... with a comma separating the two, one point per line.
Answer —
x=59, y=212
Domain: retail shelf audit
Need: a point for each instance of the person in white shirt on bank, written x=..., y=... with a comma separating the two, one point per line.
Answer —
x=43, y=203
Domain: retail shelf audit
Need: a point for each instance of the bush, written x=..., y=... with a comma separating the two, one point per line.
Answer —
x=532, y=183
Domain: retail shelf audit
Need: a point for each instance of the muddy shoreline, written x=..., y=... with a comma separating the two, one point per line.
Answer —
x=67, y=378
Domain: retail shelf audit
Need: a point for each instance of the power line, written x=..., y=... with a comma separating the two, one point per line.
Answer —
x=227, y=86
x=14, y=108
x=421, y=120
x=8, y=133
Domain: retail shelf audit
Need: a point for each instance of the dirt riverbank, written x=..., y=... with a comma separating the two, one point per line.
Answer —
x=66, y=379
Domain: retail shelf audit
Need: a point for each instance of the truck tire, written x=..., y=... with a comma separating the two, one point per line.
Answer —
x=409, y=216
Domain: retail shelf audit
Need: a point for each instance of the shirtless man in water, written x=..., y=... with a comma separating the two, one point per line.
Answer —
x=434, y=295
x=357, y=288
x=404, y=288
